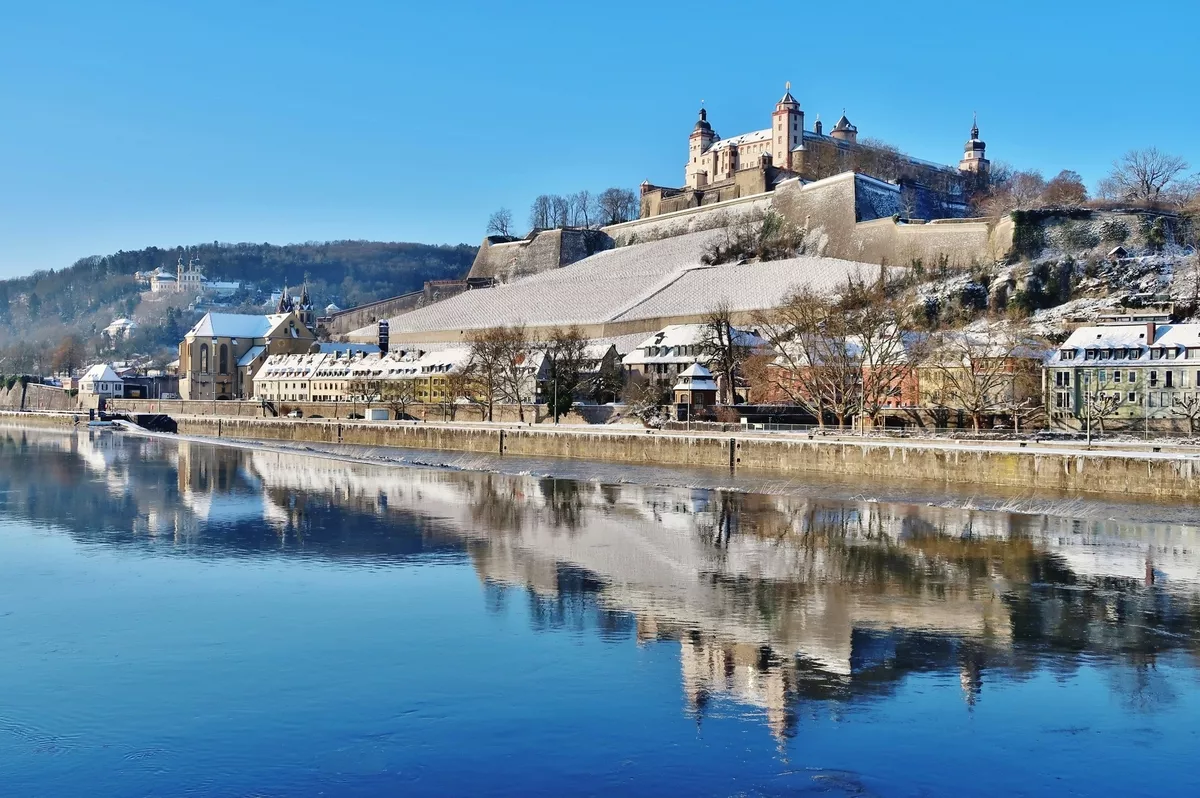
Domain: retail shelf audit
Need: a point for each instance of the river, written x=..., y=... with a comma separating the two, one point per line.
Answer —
x=183, y=618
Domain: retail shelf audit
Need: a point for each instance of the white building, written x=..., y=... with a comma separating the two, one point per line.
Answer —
x=120, y=328
x=661, y=357
x=100, y=380
x=190, y=280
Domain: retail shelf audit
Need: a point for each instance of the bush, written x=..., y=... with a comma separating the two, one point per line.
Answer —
x=1114, y=231
x=974, y=296
x=1077, y=236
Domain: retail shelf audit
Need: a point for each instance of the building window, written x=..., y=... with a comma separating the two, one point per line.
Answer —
x=1168, y=376
x=223, y=359
x=203, y=358
x=1132, y=377
x=1116, y=376
x=1154, y=379
x=1132, y=396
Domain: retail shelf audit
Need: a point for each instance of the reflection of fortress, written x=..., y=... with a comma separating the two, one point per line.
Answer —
x=772, y=599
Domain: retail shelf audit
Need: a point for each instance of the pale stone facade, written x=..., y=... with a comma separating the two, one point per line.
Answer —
x=220, y=355
x=753, y=163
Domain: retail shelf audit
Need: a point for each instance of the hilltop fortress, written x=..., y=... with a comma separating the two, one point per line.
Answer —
x=719, y=169
x=861, y=204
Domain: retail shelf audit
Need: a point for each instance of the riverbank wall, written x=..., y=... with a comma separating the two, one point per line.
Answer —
x=1168, y=475
x=1146, y=474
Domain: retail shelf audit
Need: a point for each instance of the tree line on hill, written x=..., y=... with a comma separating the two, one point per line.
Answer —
x=38, y=310
x=1147, y=178
x=581, y=209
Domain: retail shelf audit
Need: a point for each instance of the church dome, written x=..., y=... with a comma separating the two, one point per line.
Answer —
x=702, y=125
x=843, y=123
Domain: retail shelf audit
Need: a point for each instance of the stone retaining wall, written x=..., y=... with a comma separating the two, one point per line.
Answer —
x=1117, y=473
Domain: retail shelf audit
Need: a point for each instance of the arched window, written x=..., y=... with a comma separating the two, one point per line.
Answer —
x=223, y=359
x=203, y=358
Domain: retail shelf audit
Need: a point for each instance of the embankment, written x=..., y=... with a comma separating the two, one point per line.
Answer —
x=1071, y=470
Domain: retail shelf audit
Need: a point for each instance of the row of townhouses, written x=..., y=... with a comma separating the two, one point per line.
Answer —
x=1131, y=372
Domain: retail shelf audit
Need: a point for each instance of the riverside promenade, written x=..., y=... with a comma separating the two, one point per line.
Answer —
x=1146, y=470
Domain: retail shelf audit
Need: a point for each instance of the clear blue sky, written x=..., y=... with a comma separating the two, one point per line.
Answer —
x=129, y=124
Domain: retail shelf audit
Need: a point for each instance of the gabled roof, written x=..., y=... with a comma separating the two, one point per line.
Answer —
x=233, y=325
x=696, y=378
x=101, y=372
x=251, y=355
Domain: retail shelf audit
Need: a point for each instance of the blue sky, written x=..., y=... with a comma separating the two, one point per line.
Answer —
x=129, y=124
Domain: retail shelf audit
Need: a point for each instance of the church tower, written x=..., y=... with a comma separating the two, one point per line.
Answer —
x=308, y=314
x=787, y=128
x=974, y=162
x=702, y=138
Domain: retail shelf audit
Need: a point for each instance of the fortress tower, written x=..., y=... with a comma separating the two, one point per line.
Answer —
x=699, y=143
x=974, y=161
x=787, y=128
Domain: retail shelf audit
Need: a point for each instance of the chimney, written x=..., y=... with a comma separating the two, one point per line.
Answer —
x=383, y=335
x=1150, y=328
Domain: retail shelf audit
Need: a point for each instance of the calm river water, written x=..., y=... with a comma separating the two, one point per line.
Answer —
x=178, y=618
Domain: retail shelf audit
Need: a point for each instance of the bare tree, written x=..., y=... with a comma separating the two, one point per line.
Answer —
x=500, y=223
x=1065, y=190
x=516, y=366
x=1188, y=406
x=564, y=350
x=816, y=365
x=500, y=357
x=539, y=213
x=1020, y=190
x=365, y=388
x=616, y=205
x=581, y=208
x=486, y=363
x=461, y=388
x=887, y=352
x=977, y=373
x=69, y=355
x=398, y=395
x=725, y=348
x=1143, y=175
x=1101, y=400
x=560, y=211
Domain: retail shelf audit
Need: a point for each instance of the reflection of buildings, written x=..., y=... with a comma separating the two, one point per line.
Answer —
x=773, y=600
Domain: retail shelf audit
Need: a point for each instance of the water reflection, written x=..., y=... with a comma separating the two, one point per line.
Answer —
x=774, y=602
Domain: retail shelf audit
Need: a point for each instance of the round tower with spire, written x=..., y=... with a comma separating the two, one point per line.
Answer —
x=843, y=130
x=974, y=160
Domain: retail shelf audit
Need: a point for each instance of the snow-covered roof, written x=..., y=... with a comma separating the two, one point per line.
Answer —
x=746, y=138
x=235, y=325
x=668, y=345
x=696, y=378
x=329, y=347
x=636, y=282
x=1128, y=343
x=101, y=372
x=251, y=355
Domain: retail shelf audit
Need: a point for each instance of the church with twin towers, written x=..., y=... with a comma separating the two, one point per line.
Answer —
x=720, y=169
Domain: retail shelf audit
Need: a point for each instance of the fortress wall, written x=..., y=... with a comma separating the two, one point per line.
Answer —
x=682, y=222
x=346, y=321
x=548, y=249
x=850, y=216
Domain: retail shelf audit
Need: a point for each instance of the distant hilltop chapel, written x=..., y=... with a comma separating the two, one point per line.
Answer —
x=753, y=163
